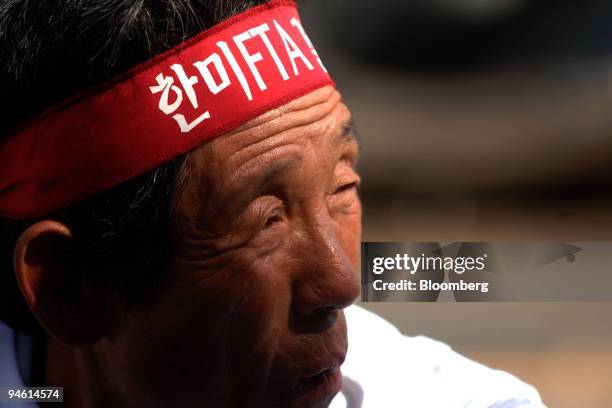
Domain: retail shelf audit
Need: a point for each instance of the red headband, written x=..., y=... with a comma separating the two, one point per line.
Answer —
x=202, y=89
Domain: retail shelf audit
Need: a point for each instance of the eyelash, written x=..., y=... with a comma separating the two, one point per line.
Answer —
x=275, y=216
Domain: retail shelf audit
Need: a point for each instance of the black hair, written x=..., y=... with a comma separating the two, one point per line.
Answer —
x=51, y=50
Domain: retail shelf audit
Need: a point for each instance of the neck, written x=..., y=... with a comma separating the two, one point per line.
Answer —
x=77, y=371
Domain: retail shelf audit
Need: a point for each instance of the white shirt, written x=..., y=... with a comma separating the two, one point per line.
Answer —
x=386, y=369
x=383, y=369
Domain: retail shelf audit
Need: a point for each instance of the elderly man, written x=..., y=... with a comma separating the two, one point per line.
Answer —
x=181, y=218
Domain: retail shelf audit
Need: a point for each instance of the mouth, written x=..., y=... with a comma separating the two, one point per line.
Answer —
x=318, y=387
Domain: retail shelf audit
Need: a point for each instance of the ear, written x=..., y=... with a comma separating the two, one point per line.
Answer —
x=67, y=305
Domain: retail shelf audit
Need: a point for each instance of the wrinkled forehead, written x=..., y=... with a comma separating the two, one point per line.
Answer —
x=317, y=117
x=269, y=146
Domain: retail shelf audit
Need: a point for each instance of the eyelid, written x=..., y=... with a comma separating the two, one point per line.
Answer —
x=271, y=224
x=274, y=215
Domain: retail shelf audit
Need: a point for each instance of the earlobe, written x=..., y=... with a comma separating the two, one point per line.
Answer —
x=52, y=284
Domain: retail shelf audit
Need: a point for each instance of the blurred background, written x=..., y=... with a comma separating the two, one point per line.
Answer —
x=486, y=120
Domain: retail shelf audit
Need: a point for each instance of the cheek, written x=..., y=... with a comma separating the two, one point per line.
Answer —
x=238, y=307
x=216, y=330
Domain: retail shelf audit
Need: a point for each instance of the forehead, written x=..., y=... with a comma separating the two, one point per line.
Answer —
x=317, y=124
x=318, y=118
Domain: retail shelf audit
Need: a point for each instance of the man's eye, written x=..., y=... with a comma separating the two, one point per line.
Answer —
x=273, y=218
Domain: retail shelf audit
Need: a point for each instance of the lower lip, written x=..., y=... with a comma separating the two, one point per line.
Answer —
x=320, y=387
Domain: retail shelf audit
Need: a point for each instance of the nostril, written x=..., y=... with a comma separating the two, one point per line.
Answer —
x=327, y=313
x=326, y=309
x=326, y=317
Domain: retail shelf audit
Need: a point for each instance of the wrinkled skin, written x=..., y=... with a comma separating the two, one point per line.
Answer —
x=266, y=241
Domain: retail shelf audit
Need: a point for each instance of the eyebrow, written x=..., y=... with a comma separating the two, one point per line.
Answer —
x=256, y=179
x=348, y=133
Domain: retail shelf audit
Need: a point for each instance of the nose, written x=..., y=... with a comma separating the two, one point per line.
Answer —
x=327, y=280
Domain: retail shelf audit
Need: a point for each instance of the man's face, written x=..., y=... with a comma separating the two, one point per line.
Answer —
x=266, y=240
